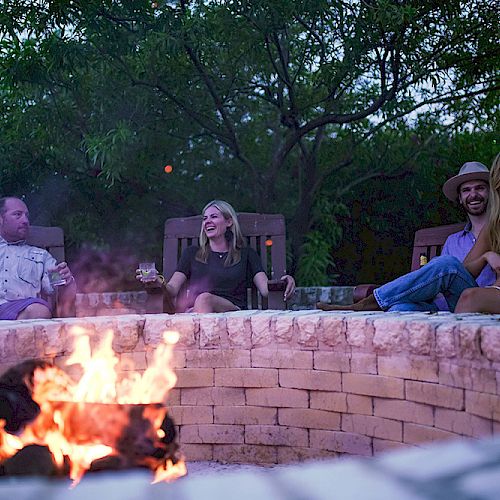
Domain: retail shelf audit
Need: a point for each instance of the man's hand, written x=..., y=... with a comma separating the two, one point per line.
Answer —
x=290, y=286
x=65, y=273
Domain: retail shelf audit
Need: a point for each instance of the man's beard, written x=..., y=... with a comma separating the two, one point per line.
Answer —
x=476, y=211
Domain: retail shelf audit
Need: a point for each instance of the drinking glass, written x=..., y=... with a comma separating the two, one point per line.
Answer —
x=148, y=271
x=56, y=279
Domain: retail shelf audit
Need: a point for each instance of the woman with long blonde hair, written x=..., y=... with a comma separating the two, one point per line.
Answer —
x=446, y=274
x=232, y=235
x=218, y=270
x=485, y=251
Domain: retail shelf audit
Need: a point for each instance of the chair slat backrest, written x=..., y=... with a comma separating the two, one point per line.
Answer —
x=430, y=241
x=52, y=240
x=48, y=238
x=264, y=232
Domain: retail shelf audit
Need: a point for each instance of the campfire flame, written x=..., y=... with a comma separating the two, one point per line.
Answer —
x=103, y=416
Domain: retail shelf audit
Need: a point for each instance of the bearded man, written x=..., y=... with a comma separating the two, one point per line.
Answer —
x=470, y=188
x=24, y=268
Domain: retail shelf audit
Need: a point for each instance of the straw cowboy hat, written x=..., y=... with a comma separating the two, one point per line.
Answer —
x=470, y=171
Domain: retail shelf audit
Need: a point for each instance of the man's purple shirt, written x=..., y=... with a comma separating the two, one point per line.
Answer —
x=459, y=245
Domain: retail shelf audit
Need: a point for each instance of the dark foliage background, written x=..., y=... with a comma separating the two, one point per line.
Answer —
x=345, y=117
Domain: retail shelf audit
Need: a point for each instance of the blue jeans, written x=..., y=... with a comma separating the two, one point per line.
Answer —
x=415, y=291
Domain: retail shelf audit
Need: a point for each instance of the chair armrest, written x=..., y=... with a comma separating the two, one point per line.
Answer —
x=64, y=304
x=158, y=300
x=362, y=291
x=66, y=308
x=276, y=290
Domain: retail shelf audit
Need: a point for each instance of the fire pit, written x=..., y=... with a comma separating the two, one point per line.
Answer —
x=99, y=423
x=265, y=387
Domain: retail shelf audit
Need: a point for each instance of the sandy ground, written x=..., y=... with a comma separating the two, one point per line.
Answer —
x=204, y=468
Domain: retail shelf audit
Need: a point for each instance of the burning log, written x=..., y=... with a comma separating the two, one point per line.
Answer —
x=61, y=428
x=32, y=460
x=17, y=407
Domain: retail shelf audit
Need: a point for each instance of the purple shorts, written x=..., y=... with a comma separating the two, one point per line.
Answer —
x=12, y=308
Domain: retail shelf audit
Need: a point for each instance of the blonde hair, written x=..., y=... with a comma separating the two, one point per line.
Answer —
x=233, y=234
x=494, y=205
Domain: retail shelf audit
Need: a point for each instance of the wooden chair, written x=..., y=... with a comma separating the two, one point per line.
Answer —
x=52, y=240
x=428, y=242
x=264, y=232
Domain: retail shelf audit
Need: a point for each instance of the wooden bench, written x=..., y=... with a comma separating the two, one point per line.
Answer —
x=428, y=242
x=265, y=233
x=52, y=240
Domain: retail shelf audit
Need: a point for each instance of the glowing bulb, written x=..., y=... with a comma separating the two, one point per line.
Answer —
x=168, y=169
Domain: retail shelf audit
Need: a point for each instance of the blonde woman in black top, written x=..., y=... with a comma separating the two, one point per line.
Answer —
x=220, y=269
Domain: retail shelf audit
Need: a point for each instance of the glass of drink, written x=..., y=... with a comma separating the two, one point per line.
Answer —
x=55, y=278
x=148, y=271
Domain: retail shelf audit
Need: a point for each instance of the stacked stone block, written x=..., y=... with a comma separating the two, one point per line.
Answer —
x=283, y=386
x=110, y=303
x=134, y=302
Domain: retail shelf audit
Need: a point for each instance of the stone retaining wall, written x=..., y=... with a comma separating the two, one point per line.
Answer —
x=275, y=387
x=115, y=303
x=110, y=303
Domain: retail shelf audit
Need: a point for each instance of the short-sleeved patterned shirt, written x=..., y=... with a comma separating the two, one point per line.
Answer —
x=23, y=271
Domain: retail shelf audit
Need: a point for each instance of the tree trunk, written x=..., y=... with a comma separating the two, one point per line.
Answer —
x=301, y=221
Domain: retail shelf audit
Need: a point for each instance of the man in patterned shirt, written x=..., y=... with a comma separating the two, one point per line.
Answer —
x=24, y=269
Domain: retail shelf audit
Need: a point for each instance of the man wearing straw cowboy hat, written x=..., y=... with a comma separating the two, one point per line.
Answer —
x=470, y=188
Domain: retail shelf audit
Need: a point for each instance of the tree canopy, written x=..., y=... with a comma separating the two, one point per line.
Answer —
x=275, y=105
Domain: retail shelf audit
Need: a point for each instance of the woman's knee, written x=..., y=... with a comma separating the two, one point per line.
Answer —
x=204, y=298
x=467, y=301
x=203, y=302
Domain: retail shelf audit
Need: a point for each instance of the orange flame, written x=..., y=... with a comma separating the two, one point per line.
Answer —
x=9, y=444
x=84, y=422
x=170, y=472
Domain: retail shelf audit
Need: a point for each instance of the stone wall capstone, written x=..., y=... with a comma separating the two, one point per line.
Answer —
x=283, y=386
